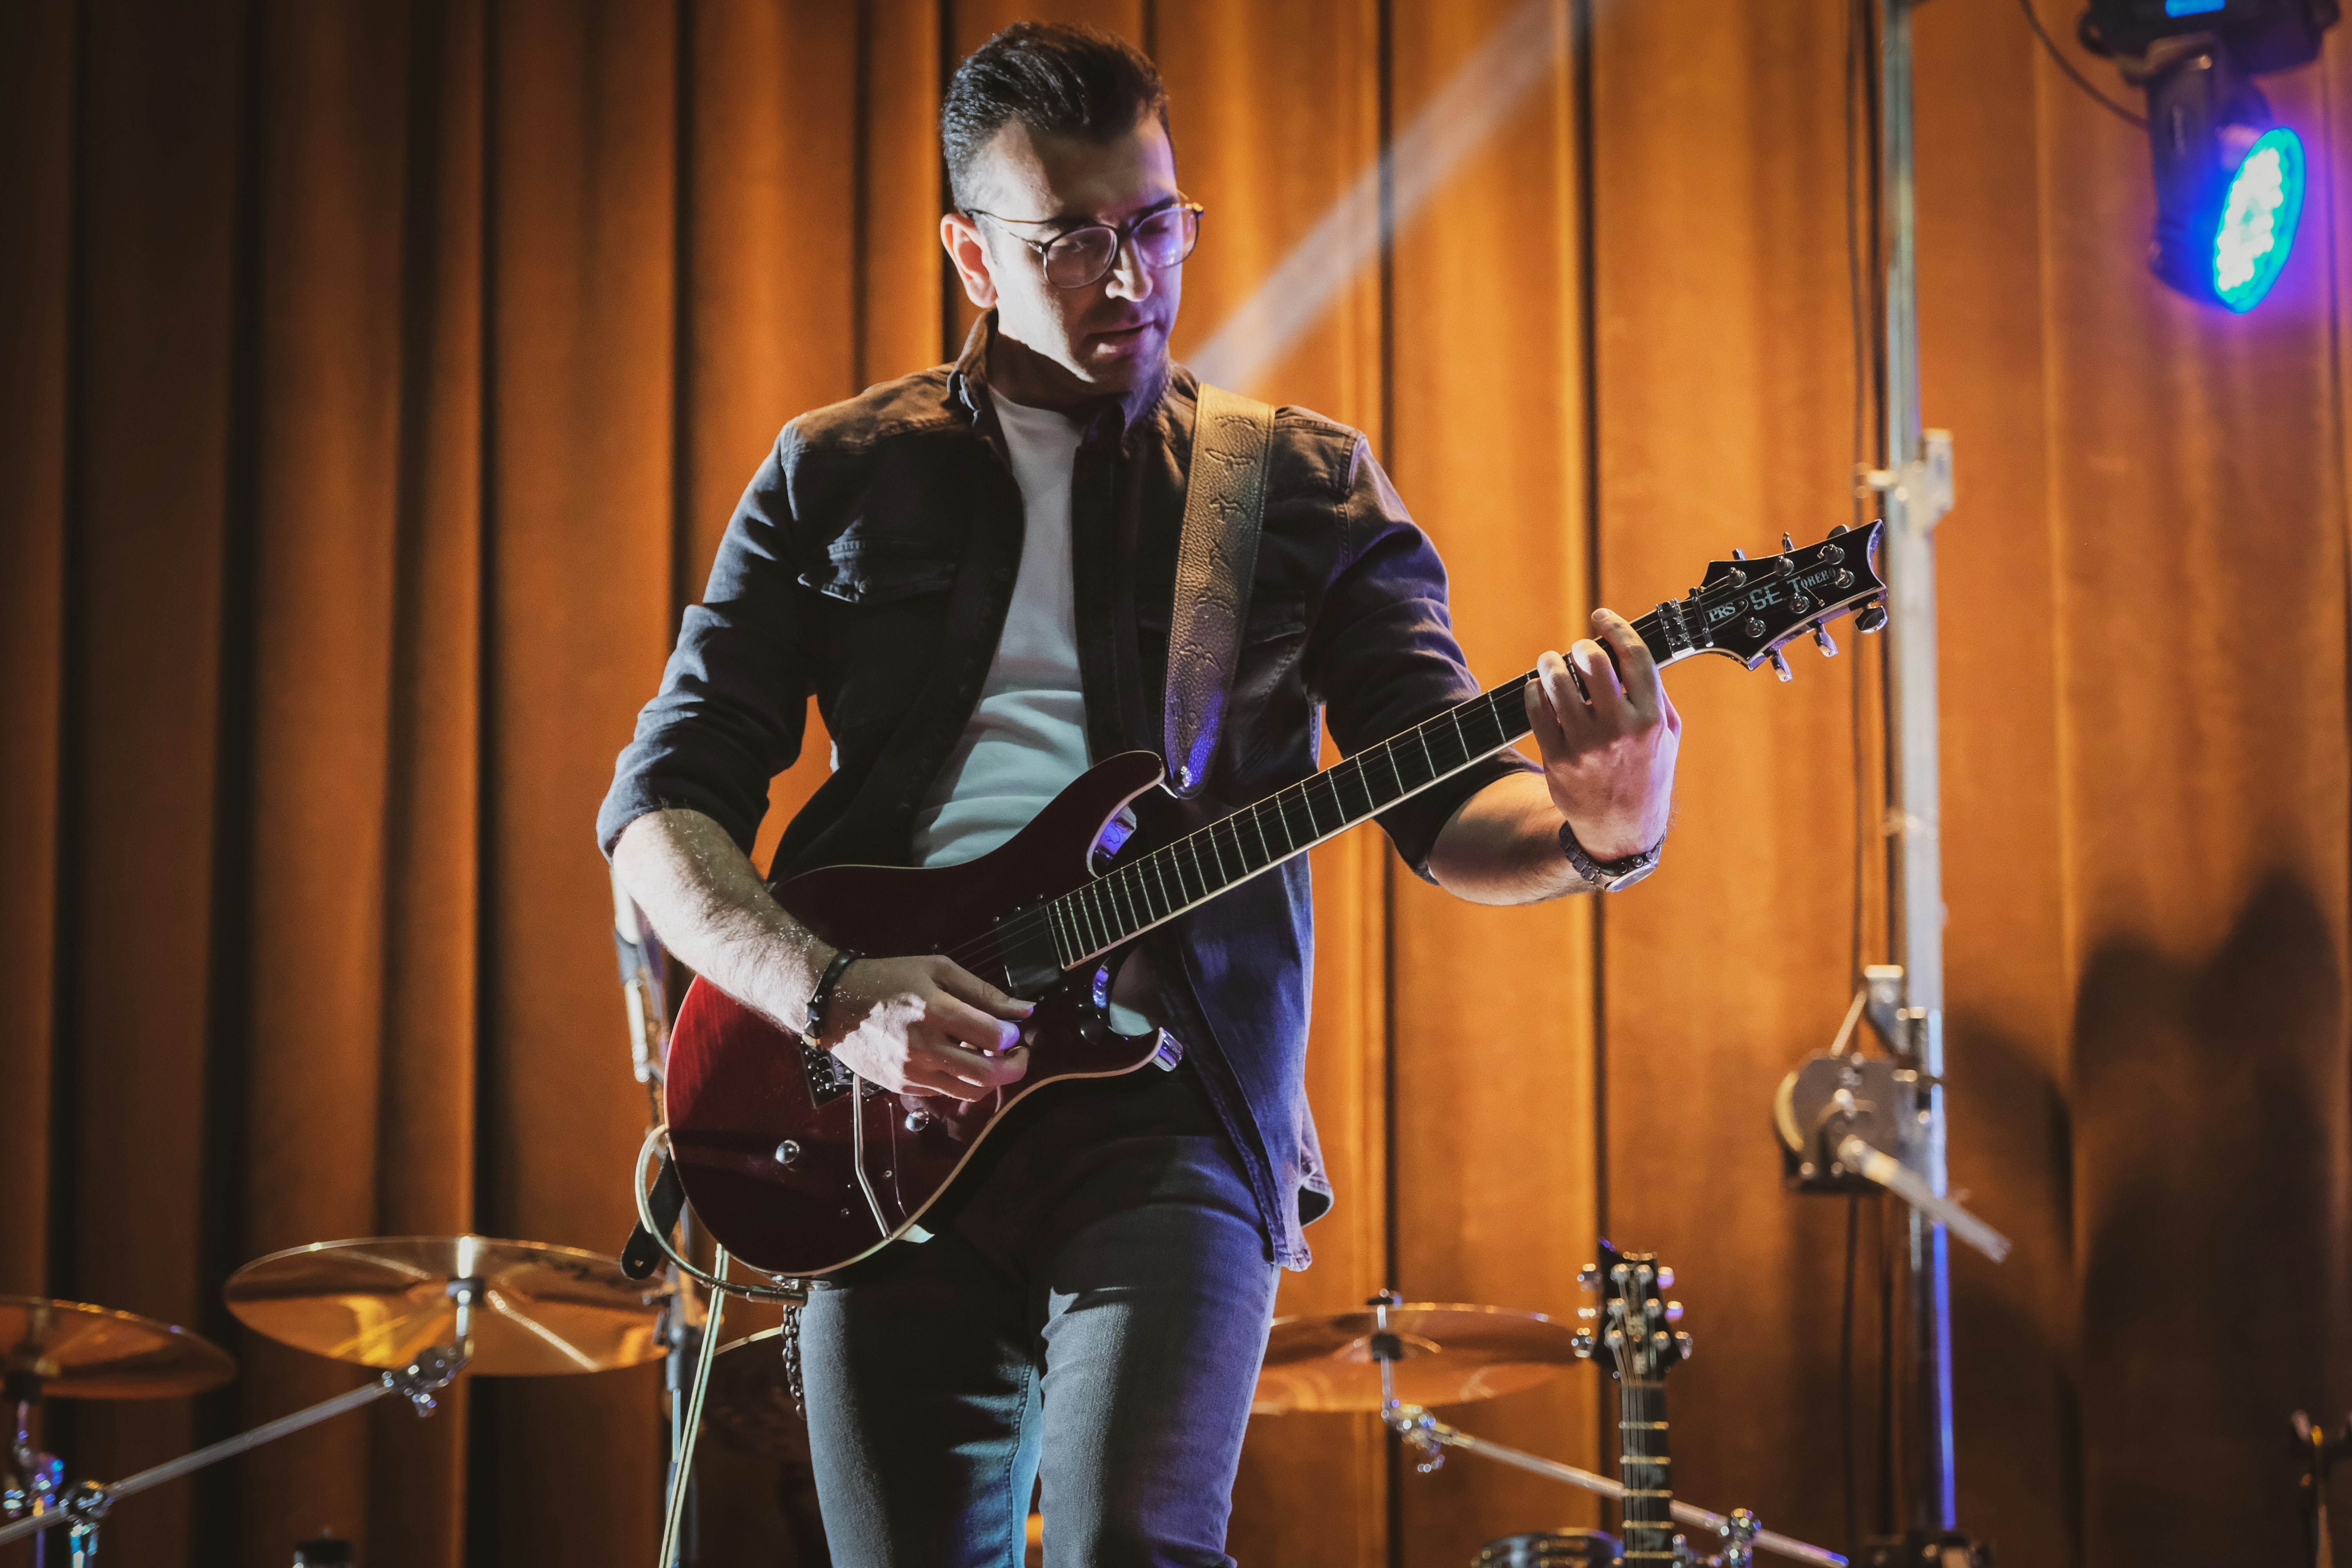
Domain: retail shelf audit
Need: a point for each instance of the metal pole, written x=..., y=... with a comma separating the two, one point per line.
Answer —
x=1424, y=1433
x=1914, y=504
x=228, y=1448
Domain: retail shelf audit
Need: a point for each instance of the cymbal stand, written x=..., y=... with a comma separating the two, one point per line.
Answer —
x=1429, y=1437
x=37, y=1477
x=83, y=1507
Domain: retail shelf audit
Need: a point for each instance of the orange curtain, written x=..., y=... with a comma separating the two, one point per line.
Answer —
x=375, y=380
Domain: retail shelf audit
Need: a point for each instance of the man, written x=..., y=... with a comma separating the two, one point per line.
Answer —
x=972, y=569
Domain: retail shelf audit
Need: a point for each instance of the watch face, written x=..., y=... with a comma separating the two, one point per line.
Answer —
x=1628, y=879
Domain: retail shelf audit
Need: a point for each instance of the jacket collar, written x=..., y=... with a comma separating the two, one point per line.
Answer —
x=1114, y=419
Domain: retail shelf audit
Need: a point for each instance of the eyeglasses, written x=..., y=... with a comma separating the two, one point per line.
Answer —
x=1080, y=257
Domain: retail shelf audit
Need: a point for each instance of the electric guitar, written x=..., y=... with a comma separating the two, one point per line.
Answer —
x=799, y=1167
x=1633, y=1335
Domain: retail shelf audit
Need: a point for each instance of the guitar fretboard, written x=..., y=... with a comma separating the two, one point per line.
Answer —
x=1154, y=888
x=1646, y=1470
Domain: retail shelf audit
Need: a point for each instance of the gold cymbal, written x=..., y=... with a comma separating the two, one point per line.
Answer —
x=380, y=1303
x=80, y=1351
x=1452, y=1353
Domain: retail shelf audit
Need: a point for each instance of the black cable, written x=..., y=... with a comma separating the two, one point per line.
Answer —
x=2076, y=77
x=1845, y=1382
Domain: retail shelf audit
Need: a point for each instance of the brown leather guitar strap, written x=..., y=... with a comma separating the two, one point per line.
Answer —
x=1224, y=507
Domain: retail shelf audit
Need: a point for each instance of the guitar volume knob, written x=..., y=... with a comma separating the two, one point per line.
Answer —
x=787, y=1151
x=917, y=1119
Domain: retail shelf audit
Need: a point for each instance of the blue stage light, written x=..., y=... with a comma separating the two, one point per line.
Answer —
x=2258, y=219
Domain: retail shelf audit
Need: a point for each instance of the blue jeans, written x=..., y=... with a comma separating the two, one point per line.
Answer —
x=1095, y=1309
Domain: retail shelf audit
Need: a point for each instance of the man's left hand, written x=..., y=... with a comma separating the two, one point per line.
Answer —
x=1609, y=748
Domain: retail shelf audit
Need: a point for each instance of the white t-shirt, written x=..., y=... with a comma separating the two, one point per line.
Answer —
x=1027, y=737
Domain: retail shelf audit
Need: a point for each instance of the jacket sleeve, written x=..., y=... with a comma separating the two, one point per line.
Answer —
x=1382, y=656
x=733, y=704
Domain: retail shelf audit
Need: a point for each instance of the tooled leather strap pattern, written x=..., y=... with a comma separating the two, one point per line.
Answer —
x=1224, y=505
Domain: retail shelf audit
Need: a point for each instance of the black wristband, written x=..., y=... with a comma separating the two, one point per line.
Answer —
x=842, y=958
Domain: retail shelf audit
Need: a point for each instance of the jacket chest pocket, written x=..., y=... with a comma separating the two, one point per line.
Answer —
x=858, y=571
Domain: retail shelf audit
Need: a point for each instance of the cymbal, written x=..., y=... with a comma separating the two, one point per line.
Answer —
x=747, y=1403
x=380, y=1302
x=80, y=1351
x=1452, y=1353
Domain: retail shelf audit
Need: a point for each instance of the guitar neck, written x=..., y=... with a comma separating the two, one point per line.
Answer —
x=1155, y=888
x=1646, y=1470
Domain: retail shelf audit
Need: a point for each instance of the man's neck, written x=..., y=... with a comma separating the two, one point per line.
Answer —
x=1017, y=372
x=1021, y=375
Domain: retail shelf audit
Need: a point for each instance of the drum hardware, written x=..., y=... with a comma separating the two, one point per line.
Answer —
x=84, y=1507
x=417, y=1310
x=70, y=1350
x=1549, y=1549
x=2316, y=1451
x=1850, y=1123
x=1451, y=1353
x=1429, y=1437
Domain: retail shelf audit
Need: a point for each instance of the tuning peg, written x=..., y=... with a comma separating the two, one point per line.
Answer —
x=1869, y=618
x=1786, y=544
x=1737, y=553
x=1673, y=1311
x=1588, y=1278
x=1587, y=1313
x=1683, y=1343
x=1781, y=666
x=1666, y=1276
x=1840, y=530
x=1823, y=641
x=1581, y=1343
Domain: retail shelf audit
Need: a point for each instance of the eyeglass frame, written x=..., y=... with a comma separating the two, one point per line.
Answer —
x=1124, y=233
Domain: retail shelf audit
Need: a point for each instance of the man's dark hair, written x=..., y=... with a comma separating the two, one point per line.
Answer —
x=1063, y=78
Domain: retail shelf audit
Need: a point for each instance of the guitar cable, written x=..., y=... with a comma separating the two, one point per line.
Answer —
x=657, y=1142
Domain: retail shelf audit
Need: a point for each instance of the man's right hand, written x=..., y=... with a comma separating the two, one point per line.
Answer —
x=925, y=1024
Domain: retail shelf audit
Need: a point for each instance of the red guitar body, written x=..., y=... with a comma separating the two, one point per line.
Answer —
x=768, y=1132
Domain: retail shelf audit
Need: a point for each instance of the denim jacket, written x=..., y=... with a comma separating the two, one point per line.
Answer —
x=871, y=562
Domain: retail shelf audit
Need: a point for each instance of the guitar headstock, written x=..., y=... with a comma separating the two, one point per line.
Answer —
x=1748, y=609
x=1633, y=1333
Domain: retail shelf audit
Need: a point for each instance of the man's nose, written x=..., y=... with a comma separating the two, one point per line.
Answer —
x=1129, y=278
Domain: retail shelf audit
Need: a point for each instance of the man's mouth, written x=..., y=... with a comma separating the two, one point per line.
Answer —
x=1121, y=336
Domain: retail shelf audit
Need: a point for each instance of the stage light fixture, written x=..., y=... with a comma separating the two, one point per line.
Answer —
x=2228, y=179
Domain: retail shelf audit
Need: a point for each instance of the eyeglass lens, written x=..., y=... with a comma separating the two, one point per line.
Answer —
x=1084, y=255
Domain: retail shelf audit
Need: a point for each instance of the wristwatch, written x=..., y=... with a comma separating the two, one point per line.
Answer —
x=1608, y=876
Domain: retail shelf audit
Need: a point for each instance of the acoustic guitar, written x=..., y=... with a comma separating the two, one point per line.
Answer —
x=799, y=1167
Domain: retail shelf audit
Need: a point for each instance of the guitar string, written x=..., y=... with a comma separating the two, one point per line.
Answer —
x=991, y=945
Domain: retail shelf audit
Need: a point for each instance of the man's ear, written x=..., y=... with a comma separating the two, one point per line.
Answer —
x=961, y=235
